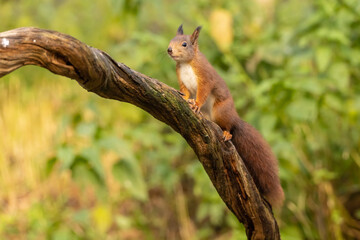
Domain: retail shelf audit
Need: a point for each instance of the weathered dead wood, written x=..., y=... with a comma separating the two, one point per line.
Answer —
x=97, y=72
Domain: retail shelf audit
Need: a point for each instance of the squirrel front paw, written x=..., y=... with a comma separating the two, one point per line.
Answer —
x=194, y=106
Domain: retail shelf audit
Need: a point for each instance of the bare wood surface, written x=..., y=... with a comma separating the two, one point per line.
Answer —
x=97, y=72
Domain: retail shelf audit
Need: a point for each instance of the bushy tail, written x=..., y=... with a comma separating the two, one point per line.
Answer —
x=259, y=160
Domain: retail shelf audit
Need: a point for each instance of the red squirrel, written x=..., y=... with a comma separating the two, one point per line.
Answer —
x=207, y=93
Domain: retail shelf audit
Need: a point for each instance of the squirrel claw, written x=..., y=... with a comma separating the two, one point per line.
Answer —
x=194, y=106
x=196, y=109
x=227, y=136
x=191, y=101
x=181, y=93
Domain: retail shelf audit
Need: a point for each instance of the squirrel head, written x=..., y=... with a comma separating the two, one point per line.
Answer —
x=183, y=48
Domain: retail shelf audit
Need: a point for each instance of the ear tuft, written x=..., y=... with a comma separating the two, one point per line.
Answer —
x=180, y=30
x=198, y=28
x=195, y=35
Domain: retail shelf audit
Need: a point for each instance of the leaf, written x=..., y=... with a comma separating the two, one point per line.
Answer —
x=50, y=163
x=115, y=144
x=215, y=213
x=128, y=173
x=62, y=233
x=267, y=124
x=81, y=217
x=66, y=155
x=334, y=102
x=123, y=222
x=323, y=57
x=221, y=28
x=340, y=76
x=83, y=171
x=202, y=212
x=291, y=232
x=86, y=129
x=323, y=175
x=92, y=154
x=308, y=85
x=335, y=35
x=102, y=216
x=302, y=109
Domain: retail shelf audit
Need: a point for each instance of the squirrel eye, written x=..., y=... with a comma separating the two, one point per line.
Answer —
x=184, y=44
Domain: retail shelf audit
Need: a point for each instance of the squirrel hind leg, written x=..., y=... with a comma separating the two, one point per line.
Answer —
x=227, y=136
x=225, y=116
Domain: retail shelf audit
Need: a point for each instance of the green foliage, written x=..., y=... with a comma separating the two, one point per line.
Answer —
x=107, y=170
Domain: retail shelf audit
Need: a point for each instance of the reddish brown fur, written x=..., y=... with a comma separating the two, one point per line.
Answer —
x=251, y=146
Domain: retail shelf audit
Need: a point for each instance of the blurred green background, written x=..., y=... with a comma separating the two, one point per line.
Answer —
x=76, y=166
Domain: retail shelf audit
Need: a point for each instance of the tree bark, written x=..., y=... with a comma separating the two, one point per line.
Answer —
x=97, y=72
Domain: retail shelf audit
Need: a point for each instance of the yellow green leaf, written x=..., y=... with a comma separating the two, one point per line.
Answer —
x=101, y=216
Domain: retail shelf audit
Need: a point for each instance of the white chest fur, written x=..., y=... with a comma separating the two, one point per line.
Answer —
x=188, y=77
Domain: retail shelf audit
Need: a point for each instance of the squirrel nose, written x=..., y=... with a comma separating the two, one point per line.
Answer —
x=169, y=50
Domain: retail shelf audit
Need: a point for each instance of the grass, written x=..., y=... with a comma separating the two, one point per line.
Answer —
x=29, y=123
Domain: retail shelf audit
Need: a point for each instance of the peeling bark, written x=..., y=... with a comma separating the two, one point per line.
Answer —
x=97, y=72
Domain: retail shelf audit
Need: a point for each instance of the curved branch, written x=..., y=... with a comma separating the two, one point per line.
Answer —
x=97, y=72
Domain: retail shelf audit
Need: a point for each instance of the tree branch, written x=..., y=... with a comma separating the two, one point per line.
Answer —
x=97, y=72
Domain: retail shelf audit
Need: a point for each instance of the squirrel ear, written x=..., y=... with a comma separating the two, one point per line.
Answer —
x=180, y=30
x=195, y=35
